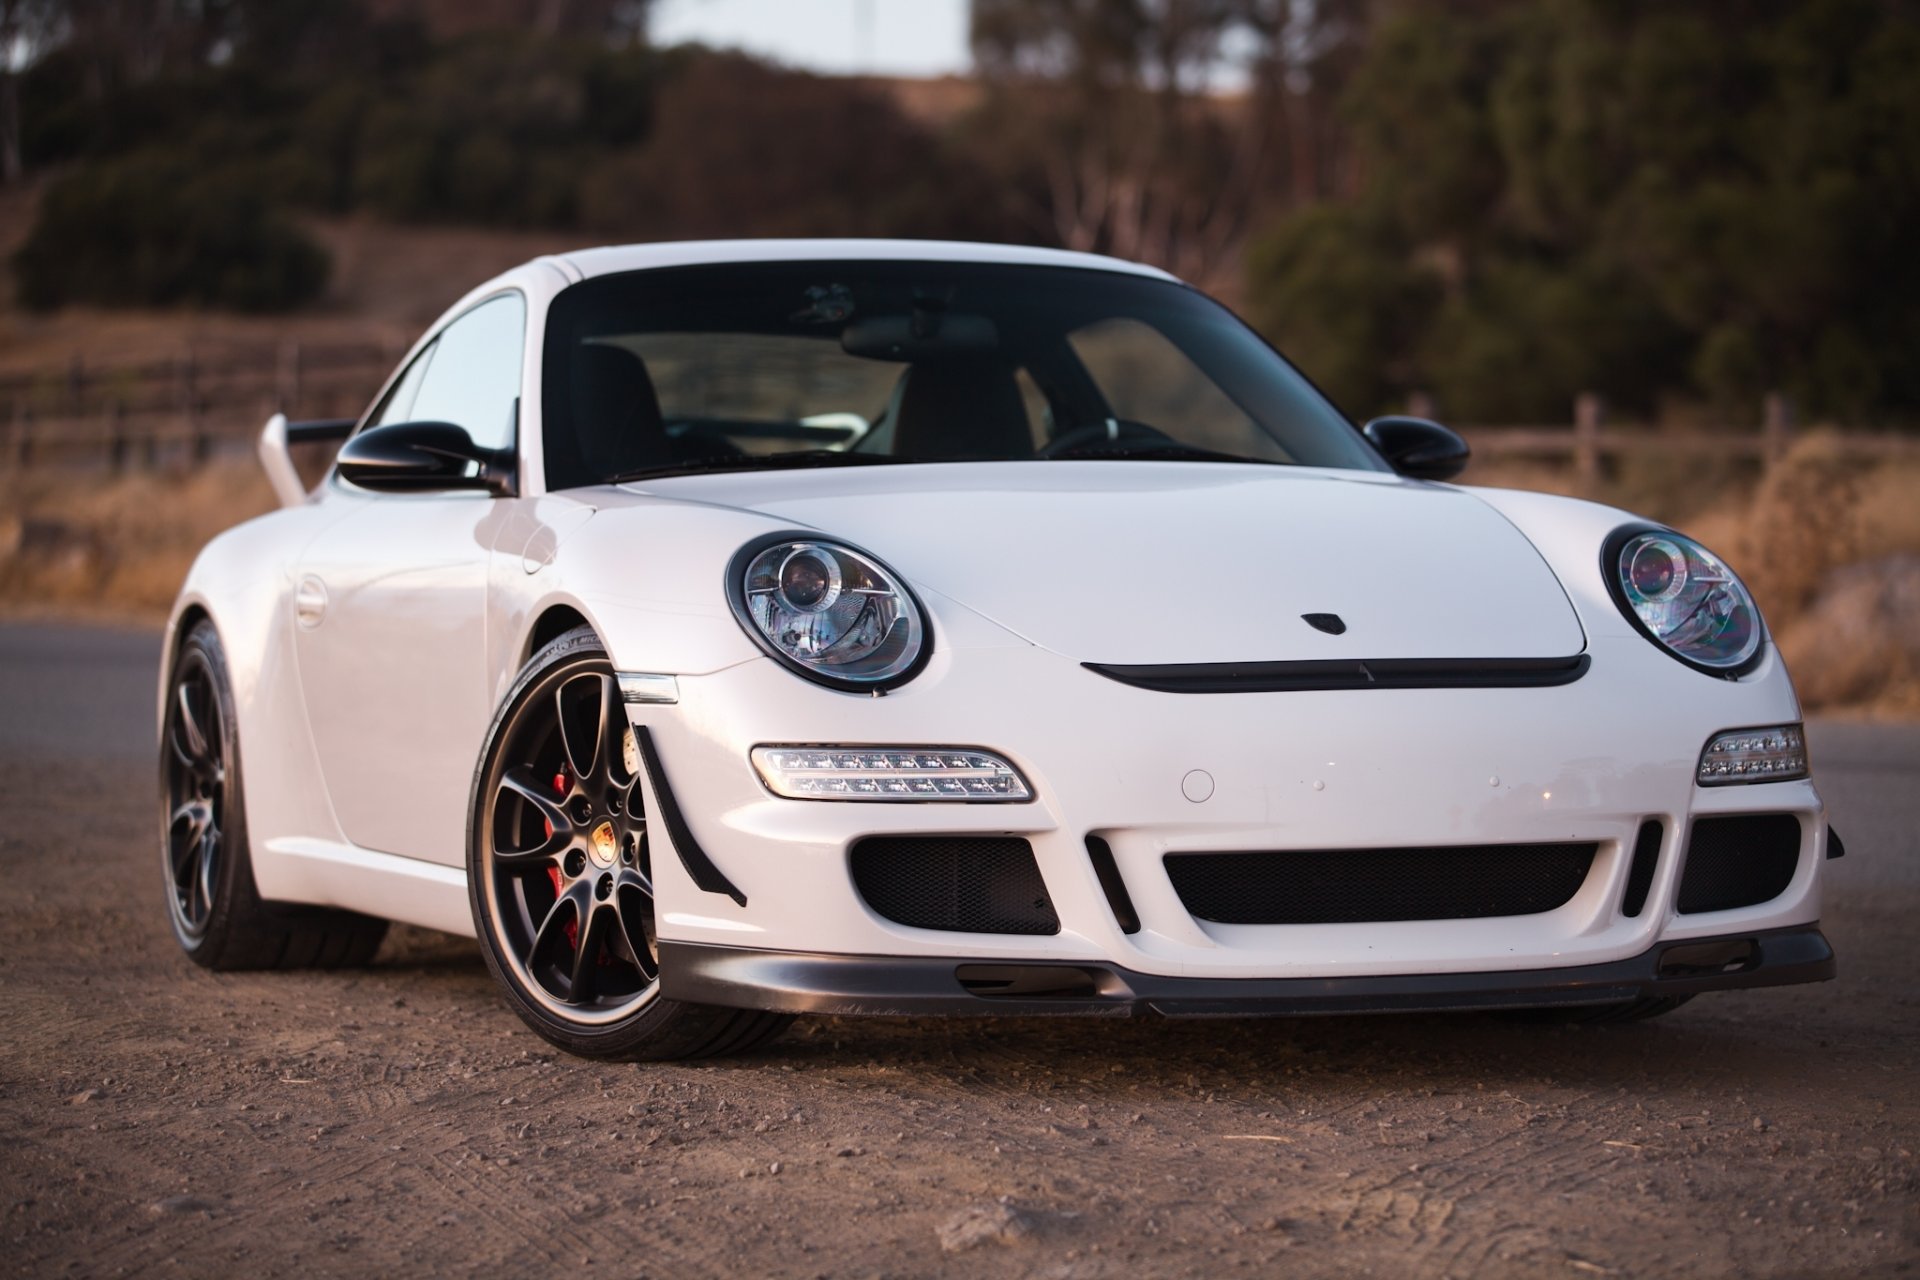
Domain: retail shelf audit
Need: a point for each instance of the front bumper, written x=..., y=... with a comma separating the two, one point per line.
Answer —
x=1588, y=761
x=792, y=982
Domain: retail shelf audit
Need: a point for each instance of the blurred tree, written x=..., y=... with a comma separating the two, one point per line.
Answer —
x=1107, y=123
x=1650, y=201
x=746, y=149
x=27, y=29
x=148, y=230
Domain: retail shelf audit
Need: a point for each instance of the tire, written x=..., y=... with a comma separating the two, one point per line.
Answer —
x=559, y=872
x=212, y=903
x=1600, y=1014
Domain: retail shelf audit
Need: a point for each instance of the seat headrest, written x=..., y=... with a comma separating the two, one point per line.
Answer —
x=968, y=407
x=615, y=425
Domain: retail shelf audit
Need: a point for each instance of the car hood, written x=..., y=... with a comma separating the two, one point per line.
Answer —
x=1155, y=563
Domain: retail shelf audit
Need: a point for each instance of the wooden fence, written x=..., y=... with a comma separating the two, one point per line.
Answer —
x=209, y=402
x=1589, y=442
x=212, y=403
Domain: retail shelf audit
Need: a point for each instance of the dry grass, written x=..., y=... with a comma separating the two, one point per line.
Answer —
x=80, y=544
x=1830, y=547
x=387, y=284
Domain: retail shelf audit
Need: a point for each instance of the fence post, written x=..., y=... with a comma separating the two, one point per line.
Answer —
x=196, y=445
x=1586, y=442
x=117, y=438
x=1776, y=427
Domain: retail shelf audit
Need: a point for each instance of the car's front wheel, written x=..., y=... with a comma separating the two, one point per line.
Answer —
x=560, y=871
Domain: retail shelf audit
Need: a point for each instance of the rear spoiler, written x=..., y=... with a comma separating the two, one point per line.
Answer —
x=276, y=453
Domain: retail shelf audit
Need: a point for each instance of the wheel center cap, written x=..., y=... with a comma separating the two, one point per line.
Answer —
x=605, y=845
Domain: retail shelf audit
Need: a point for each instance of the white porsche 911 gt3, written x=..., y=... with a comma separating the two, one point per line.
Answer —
x=727, y=631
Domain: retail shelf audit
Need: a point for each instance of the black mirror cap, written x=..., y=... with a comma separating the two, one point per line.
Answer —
x=1418, y=448
x=424, y=457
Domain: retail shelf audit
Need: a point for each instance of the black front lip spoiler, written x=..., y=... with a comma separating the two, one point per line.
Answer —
x=911, y=986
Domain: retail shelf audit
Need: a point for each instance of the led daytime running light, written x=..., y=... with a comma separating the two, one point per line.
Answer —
x=908, y=774
x=1773, y=754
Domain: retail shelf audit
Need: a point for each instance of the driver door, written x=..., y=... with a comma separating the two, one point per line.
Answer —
x=391, y=609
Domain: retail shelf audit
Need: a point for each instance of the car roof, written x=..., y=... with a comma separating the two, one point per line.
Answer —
x=681, y=253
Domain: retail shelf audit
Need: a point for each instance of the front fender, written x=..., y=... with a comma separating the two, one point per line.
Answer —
x=1569, y=533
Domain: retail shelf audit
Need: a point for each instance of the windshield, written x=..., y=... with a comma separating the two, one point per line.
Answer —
x=763, y=365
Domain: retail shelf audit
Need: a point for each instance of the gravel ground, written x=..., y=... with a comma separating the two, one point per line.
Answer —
x=155, y=1118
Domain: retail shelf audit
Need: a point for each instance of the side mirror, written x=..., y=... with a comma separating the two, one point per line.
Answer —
x=1418, y=448
x=424, y=457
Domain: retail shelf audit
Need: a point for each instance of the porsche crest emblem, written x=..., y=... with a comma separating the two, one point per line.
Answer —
x=606, y=846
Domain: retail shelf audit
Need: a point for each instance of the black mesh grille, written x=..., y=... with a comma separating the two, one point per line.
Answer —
x=1355, y=886
x=1739, y=862
x=1646, y=856
x=963, y=884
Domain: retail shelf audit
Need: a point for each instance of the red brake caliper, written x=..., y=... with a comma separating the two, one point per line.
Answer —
x=560, y=787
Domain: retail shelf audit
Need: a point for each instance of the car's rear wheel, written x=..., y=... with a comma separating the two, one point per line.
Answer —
x=560, y=871
x=212, y=902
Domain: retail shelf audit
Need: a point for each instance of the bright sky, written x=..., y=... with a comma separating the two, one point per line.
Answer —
x=885, y=37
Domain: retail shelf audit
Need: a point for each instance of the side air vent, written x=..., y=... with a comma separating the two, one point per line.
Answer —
x=1739, y=861
x=1646, y=858
x=960, y=884
x=1108, y=871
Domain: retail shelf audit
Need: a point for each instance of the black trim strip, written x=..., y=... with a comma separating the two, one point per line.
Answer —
x=914, y=986
x=1349, y=673
x=320, y=430
x=692, y=856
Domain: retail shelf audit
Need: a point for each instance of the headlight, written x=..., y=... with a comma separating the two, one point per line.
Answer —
x=1680, y=595
x=834, y=614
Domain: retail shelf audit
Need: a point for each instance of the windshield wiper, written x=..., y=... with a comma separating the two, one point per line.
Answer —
x=1167, y=452
x=756, y=462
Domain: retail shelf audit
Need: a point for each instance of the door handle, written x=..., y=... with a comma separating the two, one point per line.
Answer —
x=310, y=602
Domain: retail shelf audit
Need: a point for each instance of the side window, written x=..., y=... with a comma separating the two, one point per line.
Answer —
x=398, y=406
x=473, y=376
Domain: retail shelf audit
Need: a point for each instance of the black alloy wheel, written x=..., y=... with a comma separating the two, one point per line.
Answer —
x=194, y=765
x=560, y=871
x=212, y=900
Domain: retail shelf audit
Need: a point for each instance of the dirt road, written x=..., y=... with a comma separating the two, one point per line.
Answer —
x=156, y=1119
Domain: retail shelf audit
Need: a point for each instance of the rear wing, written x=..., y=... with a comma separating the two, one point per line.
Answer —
x=277, y=439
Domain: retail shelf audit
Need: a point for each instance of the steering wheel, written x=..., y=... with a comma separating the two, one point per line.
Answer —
x=1108, y=429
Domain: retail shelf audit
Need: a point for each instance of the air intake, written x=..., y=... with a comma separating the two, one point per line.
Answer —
x=1361, y=886
x=1739, y=862
x=959, y=884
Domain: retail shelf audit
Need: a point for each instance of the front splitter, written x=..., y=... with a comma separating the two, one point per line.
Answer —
x=920, y=986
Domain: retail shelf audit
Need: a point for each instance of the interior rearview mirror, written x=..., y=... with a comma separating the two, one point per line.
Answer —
x=1418, y=448
x=424, y=457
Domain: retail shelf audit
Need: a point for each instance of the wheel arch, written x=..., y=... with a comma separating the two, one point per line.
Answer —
x=552, y=622
x=189, y=612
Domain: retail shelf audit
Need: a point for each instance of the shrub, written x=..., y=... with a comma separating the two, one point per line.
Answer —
x=153, y=231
